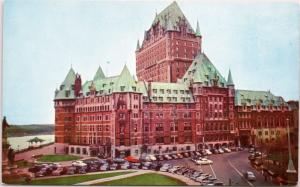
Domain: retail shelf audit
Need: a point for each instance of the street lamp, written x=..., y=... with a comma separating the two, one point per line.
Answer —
x=291, y=167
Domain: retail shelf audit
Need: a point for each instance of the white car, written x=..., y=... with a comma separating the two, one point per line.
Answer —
x=79, y=163
x=250, y=176
x=203, y=161
x=227, y=150
x=174, y=169
x=207, y=151
x=165, y=167
x=220, y=150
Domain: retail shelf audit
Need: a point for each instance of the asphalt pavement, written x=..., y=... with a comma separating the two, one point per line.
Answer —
x=228, y=168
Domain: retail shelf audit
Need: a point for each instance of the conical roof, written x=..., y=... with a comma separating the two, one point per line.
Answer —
x=172, y=14
x=70, y=78
x=99, y=74
x=229, y=79
x=203, y=71
x=125, y=82
x=66, y=90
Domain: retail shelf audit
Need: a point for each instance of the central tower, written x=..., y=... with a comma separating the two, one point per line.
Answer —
x=168, y=48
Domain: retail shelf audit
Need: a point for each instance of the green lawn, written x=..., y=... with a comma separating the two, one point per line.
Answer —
x=74, y=179
x=150, y=179
x=57, y=158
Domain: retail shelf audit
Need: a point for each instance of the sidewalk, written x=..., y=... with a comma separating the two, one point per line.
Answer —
x=28, y=154
x=140, y=172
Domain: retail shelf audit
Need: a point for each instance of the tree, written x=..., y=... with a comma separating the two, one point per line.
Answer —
x=11, y=156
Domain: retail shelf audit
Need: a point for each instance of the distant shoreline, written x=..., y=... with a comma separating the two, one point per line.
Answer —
x=16, y=136
x=30, y=130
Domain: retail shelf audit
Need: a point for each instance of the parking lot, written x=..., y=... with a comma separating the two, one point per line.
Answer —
x=226, y=167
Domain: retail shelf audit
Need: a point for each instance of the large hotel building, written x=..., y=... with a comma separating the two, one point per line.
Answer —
x=179, y=103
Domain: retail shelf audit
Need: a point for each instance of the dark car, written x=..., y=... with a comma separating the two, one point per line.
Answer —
x=155, y=166
x=35, y=168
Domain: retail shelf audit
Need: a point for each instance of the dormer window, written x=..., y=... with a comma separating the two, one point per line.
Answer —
x=175, y=91
x=134, y=88
x=168, y=91
x=62, y=87
x=181, y=91
x=122, y=88
x=160, y=98
x=67, y=93
x=154, y=90
x=161, y=91
x=72, y=86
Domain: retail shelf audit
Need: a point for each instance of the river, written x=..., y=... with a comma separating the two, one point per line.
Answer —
x=18, y=143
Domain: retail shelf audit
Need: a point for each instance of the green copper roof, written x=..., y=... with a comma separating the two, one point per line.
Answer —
x=170, y=93
x=170, y=17
x=198, y=33
x=66, y=90
x=124, y=82
x=203, y=71
x=99, y=74
x=250, y=97
x=229, y=79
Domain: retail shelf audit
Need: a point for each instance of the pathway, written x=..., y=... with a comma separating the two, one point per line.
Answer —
x=28, y=154
x=140, y=172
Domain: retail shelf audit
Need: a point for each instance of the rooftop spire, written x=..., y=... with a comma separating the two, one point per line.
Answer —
x=138, y=46
x=229, y=79
x=198, y=33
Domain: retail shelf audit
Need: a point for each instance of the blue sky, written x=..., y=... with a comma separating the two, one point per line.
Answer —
x=259, y=42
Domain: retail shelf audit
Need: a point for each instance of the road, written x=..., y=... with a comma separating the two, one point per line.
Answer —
x=227, y=166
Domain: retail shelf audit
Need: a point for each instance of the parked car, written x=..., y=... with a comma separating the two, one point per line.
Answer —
x=155, y=166
x=174, y=169
x=146, y=165
x=71, y=170
x=114, y=166
x=35, y=168
x=125, y=165
x=60, y=171
x=79, y=163
x=104, y=167
x=136, y=166
x=251, y=150
x=220, y=151
x=165, y=167
x=80, y=170
x=203, y=161
x=215, y=151
x=226, y=150
x=218, y=183
x=208, y=152
x=179, y=155
x=174, y=156
x=118, y=160
x=249, y=176
x=257, y=154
